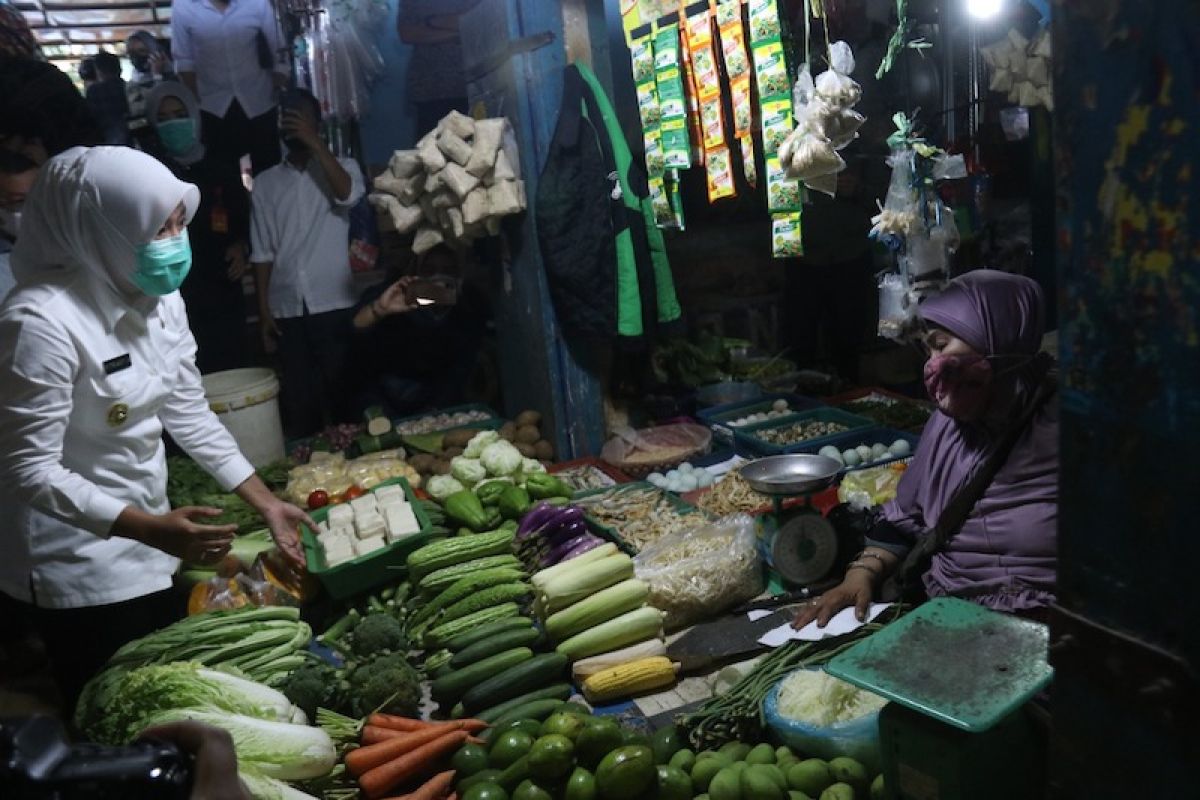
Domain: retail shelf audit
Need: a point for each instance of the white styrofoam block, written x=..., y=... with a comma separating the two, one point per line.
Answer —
x=340, y=515
x=370, y=545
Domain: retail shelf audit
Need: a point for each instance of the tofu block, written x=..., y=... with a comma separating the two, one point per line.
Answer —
x=365, y=503
x=503, y=170
x=388, y=183
x=322, y=528
x=444, y=199
x=426, y=239
x=364, y=524
x=340, y=515
x=404, y=218
x=401, y=522
x=488, y=134
x=459, y=124
x=404, y=163
x=338, y=552
x=385, y=493
x=504, y=198
x=370, y=545
x=431, y=156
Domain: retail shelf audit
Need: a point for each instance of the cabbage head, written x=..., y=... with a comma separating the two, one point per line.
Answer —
x=474, y=448
x=468, y=471
x=501, y=458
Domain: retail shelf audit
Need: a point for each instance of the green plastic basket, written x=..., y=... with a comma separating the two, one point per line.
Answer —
x=386, y=565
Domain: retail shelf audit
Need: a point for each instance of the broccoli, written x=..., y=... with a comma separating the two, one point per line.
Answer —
x=312, y=685
x=385, y=682
x=378, y=633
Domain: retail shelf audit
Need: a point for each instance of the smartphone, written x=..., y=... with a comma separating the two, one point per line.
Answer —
x=426, y=292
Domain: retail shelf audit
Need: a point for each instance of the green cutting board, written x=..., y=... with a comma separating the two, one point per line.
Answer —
x=954, y=661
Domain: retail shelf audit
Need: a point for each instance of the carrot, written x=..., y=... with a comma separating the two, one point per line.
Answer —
x=374, y=755
x=435, y=788
x=378, y=781
x=405, y=724
x=374, y=734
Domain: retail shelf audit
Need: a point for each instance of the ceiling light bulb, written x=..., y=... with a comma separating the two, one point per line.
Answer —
x=984, y=9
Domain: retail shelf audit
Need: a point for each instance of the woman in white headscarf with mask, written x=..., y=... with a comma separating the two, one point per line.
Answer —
x=96, y=361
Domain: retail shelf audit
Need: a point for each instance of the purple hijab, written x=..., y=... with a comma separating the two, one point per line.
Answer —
x=1005, y=555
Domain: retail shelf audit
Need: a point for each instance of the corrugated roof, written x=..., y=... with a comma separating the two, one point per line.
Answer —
x=69, y=30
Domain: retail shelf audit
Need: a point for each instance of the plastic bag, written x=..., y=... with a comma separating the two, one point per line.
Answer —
x=649, y=447
x=867, y=488
x=896, y=313
x=702, y=572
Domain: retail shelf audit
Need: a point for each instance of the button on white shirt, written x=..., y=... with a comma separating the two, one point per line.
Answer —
x=81, y=438
x=221, y=47
x=298, y=225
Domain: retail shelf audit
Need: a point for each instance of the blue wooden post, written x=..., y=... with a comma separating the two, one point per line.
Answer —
x=1126, y=642
x=515, y=56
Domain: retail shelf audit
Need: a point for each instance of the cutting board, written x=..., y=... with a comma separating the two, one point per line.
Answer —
x=730, y=638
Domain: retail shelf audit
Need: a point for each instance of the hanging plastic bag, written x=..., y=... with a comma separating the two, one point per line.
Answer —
x=700, y=573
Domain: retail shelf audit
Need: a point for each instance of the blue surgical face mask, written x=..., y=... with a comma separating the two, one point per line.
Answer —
x=163, y=264
x=177, y=135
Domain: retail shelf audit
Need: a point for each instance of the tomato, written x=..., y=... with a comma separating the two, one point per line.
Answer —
x=421, y=494
x=354, y=491
x=318, y=499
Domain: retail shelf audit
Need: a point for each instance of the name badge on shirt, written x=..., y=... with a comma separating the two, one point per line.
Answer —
x=219, y=220
x=117, y=364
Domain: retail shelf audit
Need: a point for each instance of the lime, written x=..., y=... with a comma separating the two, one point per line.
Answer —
x=684, y=760
x=847, y=770
x=564, y=723
x=551, y=758
x=735, y=750
x=782, y=752
x=470, y=759
x=485, y=791
x=761, y=754
x=632, y=736
x=878, y=791
x=666, y=742
x=673, y=784
x=580, y=786
x=795, y=795
x=727, y=785
x=810, y=776
x=759, y=784
x=705, y=769
x=530, y=726
x=509, y=747
x=528, y=790
x=626, y=772
x=599, y=737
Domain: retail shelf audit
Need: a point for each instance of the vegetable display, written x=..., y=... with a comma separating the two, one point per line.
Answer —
x=189, y=485
x=341, y=479
x=817, y=698
x=638, y=513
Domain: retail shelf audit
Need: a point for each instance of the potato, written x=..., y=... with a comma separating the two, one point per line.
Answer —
x=451, y=452
x=529, y=418
x=422, y=462
x=508, y=431
x=441, y=466
x=526, y=449
x=528, y=434
x=544, y=450
x=458, y=437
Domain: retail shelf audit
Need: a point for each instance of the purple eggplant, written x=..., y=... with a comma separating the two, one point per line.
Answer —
x=559, y=550
x=568, y=531
x=588, y=543
x=535, y=519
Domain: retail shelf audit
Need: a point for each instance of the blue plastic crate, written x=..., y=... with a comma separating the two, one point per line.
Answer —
x=717, y=418
x=868, y=436
x=748, y=438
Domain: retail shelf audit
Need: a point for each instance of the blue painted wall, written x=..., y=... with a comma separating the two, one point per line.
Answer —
x=391, y=121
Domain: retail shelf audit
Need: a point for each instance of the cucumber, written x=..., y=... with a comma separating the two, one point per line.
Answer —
x=559, y=691
x=538, y=671
x=537, y=710
x=448, y=688
x=505, y=640
x=465, y=640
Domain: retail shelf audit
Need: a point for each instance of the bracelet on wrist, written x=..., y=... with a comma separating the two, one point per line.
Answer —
x=864, y=566
x=865, y=554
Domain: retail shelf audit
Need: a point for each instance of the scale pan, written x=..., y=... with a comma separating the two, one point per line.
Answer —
x=791, y=474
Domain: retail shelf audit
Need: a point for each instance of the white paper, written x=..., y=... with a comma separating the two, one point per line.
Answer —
x=843, y=622
x=759, y=613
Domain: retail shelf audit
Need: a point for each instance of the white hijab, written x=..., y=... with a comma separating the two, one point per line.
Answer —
x=90, y=209
x=154, y=99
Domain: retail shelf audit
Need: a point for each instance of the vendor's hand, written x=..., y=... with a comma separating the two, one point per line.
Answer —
x=394, y=299
x=180, y=534
x=159, y=65
x=216, y=776
x=269, y=331
x=235, y=257
x=301, y=127
x=284, y=521
x=855, y=590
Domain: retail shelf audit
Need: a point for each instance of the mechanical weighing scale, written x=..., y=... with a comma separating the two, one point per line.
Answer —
x=803, y=548
x=959, y=676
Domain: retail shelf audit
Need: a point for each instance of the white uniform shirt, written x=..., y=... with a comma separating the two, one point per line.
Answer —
x=296, y=223
x=222, y=49
x=81, y=438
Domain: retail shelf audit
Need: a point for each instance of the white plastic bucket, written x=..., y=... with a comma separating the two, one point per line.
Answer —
x=247, y=403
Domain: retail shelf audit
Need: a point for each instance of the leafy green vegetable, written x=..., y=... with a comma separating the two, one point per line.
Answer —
x=501, y=458
x=189, y=485
x=386, y=682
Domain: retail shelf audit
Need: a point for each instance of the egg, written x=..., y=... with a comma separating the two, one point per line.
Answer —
x=655, y=478
x=878, y=449
x=829, y=451
x=864, y=452
x=851, y=458
x=706, y=480
x=673, y=475
x=686, y=467
x=780, y=405
x=688, y=483
x=900, y=448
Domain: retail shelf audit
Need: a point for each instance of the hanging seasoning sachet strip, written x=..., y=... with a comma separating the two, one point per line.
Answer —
x=737, y=68
x=673, y=101
x=706, y=78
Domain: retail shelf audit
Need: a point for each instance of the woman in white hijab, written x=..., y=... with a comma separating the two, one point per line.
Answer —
x=96, y=361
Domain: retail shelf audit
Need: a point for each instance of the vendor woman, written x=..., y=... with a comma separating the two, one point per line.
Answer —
x=991, y=385
x=96, y=361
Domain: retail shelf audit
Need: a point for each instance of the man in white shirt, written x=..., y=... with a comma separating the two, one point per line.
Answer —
x=299, y=235
x=220, y=47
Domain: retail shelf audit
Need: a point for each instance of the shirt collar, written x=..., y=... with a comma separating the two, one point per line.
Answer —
x=111, y=307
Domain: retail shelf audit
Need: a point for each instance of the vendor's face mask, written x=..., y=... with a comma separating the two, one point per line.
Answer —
x=140, y=62
x=163, y=264
x=960, y=384
x=177, y=135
